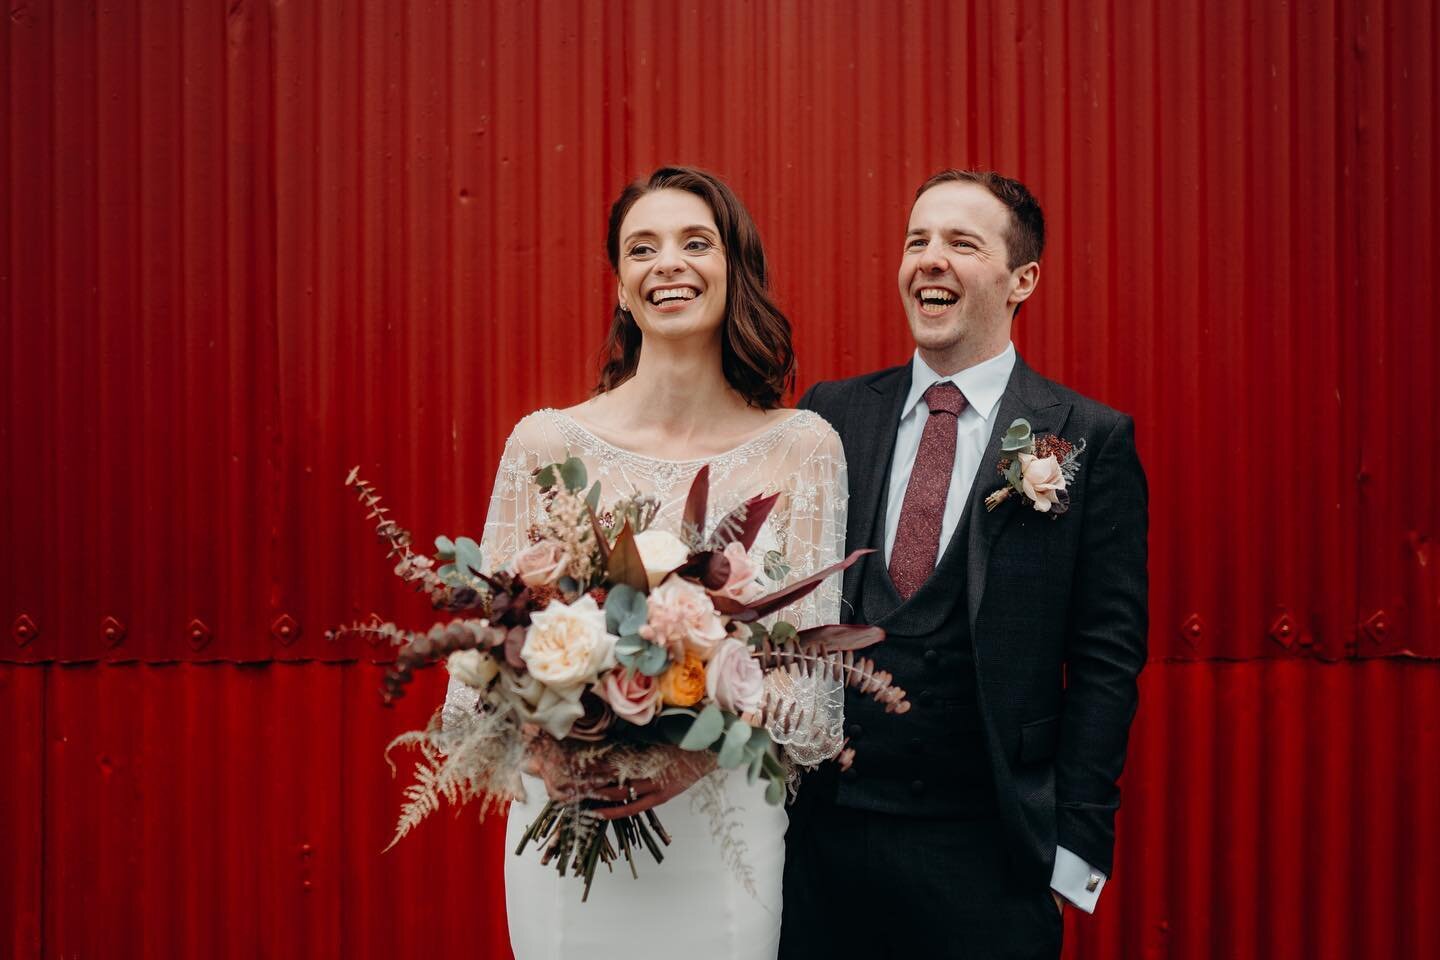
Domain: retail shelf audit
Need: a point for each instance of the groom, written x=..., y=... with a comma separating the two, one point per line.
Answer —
x=963, y=826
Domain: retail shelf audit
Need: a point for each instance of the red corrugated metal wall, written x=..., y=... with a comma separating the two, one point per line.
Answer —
x=247, y=245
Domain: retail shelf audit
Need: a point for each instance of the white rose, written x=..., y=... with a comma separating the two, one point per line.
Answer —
x=472, y=668
x=660, y=552
x=567, y=647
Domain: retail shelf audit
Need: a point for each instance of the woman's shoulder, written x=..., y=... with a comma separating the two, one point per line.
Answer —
x=538, y=433
x=812, y=434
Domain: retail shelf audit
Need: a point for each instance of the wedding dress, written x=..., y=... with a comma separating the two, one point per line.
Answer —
x=718, y=892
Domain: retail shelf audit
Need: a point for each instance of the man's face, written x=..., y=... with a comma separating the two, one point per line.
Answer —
x=958, y=292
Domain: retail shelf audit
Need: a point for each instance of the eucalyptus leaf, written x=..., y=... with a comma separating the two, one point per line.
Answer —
x=444, y=548
x=469, y=558
x=706, y=729
x=732, y=750
x=775, y=793
x=776, y=568
x=622, y=604
x=1017, y=437
x=593, y=497
x=629, y=647
x=546, y=476
x=783, y=631
x=653, y=660
x=572, y=471
x=754, y=771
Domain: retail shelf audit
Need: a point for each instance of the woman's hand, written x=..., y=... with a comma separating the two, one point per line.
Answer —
x=637, y=796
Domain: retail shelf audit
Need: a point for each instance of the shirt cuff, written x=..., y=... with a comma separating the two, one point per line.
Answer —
x=1076, y=880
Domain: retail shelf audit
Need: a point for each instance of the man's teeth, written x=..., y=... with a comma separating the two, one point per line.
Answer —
x=936, y=296
x=676, y=293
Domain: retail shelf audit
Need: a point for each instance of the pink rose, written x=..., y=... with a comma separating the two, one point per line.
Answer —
x=741, y=587
x=541, y=564
x=682, y=619
x=631, y=694
x=1042, y=480
x=734, y=679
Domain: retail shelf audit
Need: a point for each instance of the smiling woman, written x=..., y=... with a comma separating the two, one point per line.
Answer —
x=709, y=230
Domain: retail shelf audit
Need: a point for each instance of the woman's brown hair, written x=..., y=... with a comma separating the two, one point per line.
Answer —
x=755, y=355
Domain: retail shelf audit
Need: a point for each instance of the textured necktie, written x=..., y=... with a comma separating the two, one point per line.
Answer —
x=917, y=538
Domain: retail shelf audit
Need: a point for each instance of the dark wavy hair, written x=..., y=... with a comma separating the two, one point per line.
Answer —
x=755, y=355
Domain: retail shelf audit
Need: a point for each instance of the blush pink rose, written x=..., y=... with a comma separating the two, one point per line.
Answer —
x=1042, y=479
x=683, y=620
x=734, y=679
x=631, y=694
x=741, y=586
x=541, y=564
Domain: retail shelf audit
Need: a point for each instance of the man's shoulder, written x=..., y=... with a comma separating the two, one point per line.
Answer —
x=1096, y=414
x=825, y=392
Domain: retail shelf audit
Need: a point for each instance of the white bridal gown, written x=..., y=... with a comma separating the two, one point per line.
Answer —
x=694, y=905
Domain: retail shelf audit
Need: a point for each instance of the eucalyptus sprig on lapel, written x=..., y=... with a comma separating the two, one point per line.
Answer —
x=1039, y=467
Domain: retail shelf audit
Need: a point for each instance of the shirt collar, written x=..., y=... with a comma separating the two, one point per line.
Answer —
x=983, y=384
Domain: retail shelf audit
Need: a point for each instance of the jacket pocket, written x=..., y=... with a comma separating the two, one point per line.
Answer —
x=1039, y=740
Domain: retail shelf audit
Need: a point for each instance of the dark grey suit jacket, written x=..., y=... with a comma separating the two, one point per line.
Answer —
x=1057, y=606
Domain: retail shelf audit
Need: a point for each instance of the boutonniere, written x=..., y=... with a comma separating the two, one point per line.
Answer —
x=1039, y=468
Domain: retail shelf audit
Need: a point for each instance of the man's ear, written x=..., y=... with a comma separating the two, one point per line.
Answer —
x=1022, y=282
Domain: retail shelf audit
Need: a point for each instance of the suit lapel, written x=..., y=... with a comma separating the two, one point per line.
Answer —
x=874, y=418
x=1027, y=396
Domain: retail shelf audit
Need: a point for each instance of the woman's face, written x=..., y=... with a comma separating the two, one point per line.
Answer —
x=672, y=266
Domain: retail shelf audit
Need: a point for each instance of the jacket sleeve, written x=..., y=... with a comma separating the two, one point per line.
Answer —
x=1105, y=647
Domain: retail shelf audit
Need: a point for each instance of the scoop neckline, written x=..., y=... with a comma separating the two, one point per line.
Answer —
x=762, y=435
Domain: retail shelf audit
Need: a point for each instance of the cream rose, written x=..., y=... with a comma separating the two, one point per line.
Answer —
x=543, y=706
x=472, y=668
x=567, y=647
x=741, y=586
x=1042, y=480
x=541, y=564
x=631, y=694
x=660, y=552
x=734, y=679
x=683, y=620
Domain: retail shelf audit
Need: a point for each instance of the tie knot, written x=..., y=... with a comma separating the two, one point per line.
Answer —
x=945, y=397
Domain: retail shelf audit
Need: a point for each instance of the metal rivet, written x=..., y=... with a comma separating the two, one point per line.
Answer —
x=1376, y=626
x=198, y=633
x=24, y=629
x=1192, y=629
x=112, y=630
x=1282, y=630
x=285, y=629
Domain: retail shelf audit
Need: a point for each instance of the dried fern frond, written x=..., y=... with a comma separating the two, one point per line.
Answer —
x=847, y=666
x=411, y=567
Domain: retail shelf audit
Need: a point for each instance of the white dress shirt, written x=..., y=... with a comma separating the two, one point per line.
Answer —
x=983, y=385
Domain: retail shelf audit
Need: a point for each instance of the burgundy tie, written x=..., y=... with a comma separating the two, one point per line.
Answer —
x=917, y=538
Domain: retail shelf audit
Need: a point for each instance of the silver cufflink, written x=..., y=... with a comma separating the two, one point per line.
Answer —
x=1092, y=884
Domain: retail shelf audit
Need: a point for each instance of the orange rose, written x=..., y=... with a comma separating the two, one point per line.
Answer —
x=684, y=683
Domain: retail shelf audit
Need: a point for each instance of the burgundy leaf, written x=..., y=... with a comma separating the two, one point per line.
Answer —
x=748, y=613
x=837, y=637
x=625, y=564
x=742, y=524
x=599, y=536
x=696, y=503
x=514, y=640
x=709, y=567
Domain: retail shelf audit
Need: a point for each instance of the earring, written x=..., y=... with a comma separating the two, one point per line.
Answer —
x=624, y=308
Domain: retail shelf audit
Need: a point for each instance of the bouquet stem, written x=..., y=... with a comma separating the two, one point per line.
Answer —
x=578, y=841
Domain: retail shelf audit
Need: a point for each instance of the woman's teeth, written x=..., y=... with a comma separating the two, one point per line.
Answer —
x=659, y=297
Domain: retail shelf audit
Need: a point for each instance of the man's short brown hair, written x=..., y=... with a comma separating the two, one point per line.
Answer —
x=1026, y=239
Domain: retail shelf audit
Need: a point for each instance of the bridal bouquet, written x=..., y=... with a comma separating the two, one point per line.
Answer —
x=609, y=651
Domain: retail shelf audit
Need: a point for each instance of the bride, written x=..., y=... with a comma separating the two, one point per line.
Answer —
x=698, y=360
